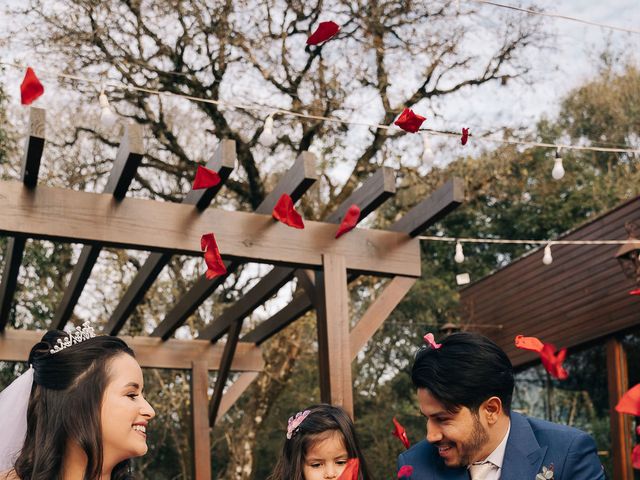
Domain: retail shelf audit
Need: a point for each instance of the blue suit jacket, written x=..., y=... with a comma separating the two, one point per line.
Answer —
x=532, y=444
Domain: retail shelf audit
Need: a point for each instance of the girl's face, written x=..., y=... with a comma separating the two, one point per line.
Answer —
x=125, y=412
x=326, y=458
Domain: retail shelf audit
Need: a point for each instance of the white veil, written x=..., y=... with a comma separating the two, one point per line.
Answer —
x=14, y=401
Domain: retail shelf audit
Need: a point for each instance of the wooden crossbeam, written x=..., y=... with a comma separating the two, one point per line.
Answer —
x=15, y=345
x=223, y=162
x=295, y=182
x=124, y=169
x=379, y=187
x=235, y=390
x=15, y=245
x=223, y=372
x=423, y=215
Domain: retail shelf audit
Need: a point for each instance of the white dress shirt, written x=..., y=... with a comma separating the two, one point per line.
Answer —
x=496, y=459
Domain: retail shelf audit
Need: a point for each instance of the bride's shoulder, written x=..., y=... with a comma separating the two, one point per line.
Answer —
x=10, y=475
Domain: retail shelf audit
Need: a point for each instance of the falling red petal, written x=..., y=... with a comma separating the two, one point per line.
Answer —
x=638, y=430
x=529, y=343
x=205, y=178
x=405, y=471
x=215, y=265
x=285, y=213
x=635, y=292
x=630, y=402
x=409, y=121
x=401, y=433
x=324, y=32
x=30, y=88
x=465, y=136
x=349, y=221
x=635, y=457
x=552, y=361
x=431, y=340
x=351, y=471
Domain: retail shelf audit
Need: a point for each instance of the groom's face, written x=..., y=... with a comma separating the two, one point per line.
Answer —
x=460, y=437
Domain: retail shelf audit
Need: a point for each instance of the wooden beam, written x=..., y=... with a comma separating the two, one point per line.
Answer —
x=295, y=182
x=377, y=188
x=442, y=201
x=223, y=162
x=124, y=168
x=430, y=210
x=15, y=346
x=618, y=382
x=234, y=392
x=170, y=227
x=334, y=356
x=34, y=146
x=199, y=415
x=223, y=372
x=378, y=312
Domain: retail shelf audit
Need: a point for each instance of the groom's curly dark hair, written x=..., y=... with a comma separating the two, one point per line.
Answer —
x=465, y=371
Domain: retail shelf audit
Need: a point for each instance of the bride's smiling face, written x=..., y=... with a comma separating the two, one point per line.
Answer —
x=125, y=412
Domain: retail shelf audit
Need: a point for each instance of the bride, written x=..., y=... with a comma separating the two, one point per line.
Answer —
x=78, y=413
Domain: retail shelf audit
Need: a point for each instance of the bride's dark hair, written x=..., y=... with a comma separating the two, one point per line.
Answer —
x=65, y=404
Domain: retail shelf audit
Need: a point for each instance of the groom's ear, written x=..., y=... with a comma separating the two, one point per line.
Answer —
x=492, y=409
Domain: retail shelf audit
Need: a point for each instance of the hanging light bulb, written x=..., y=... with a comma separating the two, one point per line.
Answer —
x=427, y=152
x=558, y=170
x=107, y=117
x=547, y=258
x=267, y=137
x=459, y=256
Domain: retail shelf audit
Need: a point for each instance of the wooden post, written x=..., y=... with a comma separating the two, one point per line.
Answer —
x=334, y=352
x=618, y=380
x=200, y=418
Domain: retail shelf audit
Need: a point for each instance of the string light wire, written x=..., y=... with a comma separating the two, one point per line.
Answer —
x=520, y=242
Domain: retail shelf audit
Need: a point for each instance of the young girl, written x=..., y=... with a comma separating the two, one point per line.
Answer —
x=77, y=413
x=320, y=441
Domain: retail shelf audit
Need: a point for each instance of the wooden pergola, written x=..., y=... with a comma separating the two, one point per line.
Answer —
x=323, y=266
x=580, y=298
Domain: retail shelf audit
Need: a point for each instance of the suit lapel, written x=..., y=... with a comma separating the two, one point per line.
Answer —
x=523, y=456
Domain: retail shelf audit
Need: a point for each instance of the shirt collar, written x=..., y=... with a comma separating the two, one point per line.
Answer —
x=497, y=456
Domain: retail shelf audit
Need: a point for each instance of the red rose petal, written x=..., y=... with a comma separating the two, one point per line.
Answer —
x=205, y=178
x=400, y=432
x=324, y=32
x=405, y=471
x=30, y=88
x=465, y=136
x=551, y=360
x=431, y=340
x=635, y=292
x=529, y=343
x=349, y=221
x=630, y=402
x=215, y=265
x=285, y=213
x=635, y=457
x=409, y=121
x=351, y=471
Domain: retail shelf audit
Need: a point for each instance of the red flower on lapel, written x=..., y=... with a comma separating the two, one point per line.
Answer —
x=630, y=402
x=285, y=213
x=401, y=433
x=409, y=121
x=215, y=265
x=349, y=221
x=324, y=32
x=205, y=178
x=465, y=136
x=405, y=471
x=30, y=88
x=351, y=471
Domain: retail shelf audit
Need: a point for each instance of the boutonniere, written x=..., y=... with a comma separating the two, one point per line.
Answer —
x=546, y=473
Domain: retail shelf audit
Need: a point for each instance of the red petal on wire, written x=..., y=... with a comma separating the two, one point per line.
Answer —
x=409, y=121
x=285, y=213
x=552, y=361
x=215, y=265
x=635, y=457
x=630, y=402
x=405, y=471
x=465, y=136
x=30, y=88
x=351, y=470
x=400, y=432
x=324, y=32
x=635, y=292
x=431, y=340
x=529, y=343
x=205, y=178
x=349, y=221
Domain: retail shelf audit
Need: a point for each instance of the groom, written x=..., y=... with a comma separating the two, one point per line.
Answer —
x=464, y=392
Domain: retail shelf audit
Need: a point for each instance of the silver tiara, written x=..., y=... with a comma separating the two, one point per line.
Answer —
x=80, y=335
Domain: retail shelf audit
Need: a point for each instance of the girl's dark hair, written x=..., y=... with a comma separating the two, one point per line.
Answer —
x=465, y=371
x=321, y=420
x=65, y=404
